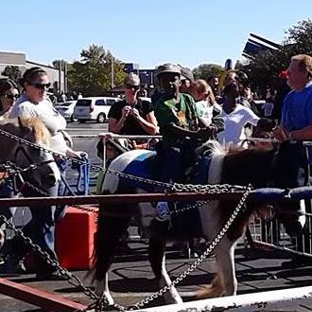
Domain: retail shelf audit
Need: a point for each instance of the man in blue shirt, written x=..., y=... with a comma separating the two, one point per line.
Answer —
x=296, y=124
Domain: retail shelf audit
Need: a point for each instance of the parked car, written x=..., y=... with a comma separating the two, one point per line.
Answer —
x=66, y=109
x=93, y=108
x=145, y=98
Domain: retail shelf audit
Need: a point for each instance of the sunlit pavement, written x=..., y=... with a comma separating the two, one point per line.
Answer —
x=131, y=278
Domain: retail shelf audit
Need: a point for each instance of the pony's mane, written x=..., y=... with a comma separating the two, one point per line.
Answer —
x=16, y=125
x=215, y=148
x=41, y=133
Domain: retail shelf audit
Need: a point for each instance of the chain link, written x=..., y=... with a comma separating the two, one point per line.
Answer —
x=52, y=262
x=194, y=266
x=220, y=189
x=102, y=302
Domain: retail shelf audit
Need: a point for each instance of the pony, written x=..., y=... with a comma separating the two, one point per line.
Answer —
x=23, y=156
x=283, y=166
x=17, y=155
x=30, y=129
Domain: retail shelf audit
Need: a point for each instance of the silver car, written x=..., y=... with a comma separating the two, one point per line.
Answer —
x=66, y=109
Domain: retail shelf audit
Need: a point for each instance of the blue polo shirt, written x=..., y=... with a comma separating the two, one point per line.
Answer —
x=297, y=109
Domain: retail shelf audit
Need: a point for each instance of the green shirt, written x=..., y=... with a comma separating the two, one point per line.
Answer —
x=182, y=114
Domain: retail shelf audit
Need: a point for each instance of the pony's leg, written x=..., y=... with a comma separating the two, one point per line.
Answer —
x=226, y=267
x=102, y=289
x=157, y=260
x=110, y=230
x=225, y=282
x=2, y=238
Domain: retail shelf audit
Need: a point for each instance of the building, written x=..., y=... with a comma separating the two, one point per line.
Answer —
x=56, y=76
x=146, y=75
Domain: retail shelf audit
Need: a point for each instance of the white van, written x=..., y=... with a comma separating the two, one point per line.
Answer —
x=93, y=108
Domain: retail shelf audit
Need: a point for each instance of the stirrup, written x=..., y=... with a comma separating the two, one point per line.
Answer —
x=162, y=211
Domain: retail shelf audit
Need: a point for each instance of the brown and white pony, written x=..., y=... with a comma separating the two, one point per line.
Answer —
x=20, y=154
x=30, y=129
x=281, y=167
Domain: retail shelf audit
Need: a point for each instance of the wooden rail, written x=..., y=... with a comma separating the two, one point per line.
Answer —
x=38, y=298
x=116, y=199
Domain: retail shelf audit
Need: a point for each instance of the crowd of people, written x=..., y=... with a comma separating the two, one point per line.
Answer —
x=185, y=111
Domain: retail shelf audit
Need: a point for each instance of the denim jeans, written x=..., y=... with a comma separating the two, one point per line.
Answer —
x=40, y=229
x=7, y=191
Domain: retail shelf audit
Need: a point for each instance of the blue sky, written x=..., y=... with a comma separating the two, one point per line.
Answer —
x=147, y=32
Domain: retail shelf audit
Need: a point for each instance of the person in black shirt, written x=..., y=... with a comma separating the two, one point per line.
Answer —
x=132, y=116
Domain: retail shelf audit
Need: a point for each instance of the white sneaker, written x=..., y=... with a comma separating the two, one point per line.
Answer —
x=163, y=211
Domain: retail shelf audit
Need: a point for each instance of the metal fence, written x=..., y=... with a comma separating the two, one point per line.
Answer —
x=273, y=234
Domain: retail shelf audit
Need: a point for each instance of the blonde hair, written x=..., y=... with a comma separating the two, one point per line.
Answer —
x=304, y=62
x=202, y=87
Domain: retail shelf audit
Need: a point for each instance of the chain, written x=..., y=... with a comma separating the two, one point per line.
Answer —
x=102, y=302
x=72, y=278
x=194, y=266
x=220, y=189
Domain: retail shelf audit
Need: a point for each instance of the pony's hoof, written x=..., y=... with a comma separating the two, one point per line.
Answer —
x=209, y=292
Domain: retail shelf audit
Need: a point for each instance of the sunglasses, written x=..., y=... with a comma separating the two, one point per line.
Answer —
x=40, y=86
x=11, y=96
x=129, y=86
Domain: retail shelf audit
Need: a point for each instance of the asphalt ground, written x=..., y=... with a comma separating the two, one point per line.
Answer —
x=131, y=279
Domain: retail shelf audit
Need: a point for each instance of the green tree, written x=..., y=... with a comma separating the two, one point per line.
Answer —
x=59, y=64
x=13, y=72
x=205, y=70
x=95, y=74
x=264, y=68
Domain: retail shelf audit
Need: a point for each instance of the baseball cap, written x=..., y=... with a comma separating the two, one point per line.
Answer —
x=186, y=73
x=168, y=68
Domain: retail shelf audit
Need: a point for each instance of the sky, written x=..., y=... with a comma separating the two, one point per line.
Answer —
x=149, y=32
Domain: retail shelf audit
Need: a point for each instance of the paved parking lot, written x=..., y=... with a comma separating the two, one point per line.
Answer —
x=131, y=279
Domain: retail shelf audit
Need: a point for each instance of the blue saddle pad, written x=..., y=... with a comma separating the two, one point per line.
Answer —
x=183, y=224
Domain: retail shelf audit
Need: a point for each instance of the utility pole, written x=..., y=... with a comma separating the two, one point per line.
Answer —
x=151, y=76
x=65, y=78
x=112, y=72
x=60, y=77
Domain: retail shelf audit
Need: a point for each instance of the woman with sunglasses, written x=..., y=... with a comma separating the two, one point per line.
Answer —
x=132, y=116
x=34, y=103
x=8, y=94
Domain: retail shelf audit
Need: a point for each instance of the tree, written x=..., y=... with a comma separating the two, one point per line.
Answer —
x=264, y=67
x=205, y=70
x=13, y=72
x=59, y=64
x=94, y=74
